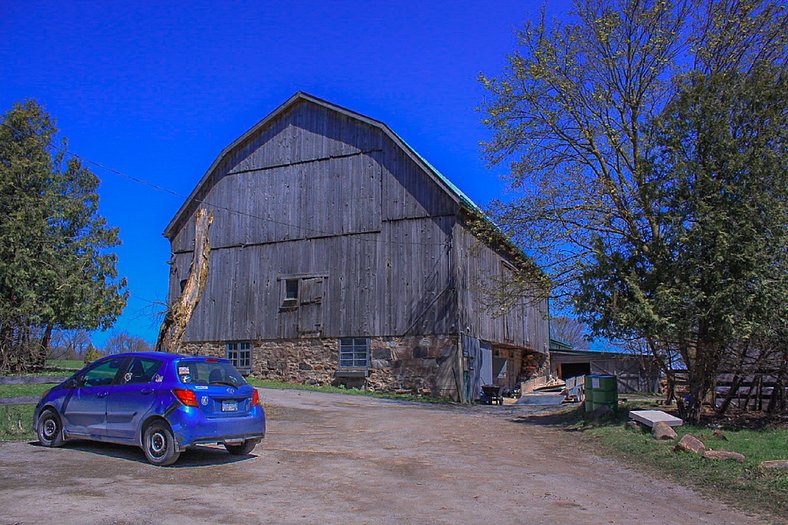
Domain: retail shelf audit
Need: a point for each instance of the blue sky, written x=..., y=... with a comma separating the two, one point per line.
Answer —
x=156, y=90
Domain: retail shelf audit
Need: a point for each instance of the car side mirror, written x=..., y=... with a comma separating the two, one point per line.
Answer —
x=70, y=384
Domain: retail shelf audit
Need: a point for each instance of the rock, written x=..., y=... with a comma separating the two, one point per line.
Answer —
x=690, y=443
x=304, y=366
x=420, y=352
x=724, y=455
x=633, y=425
x=775, y=464
x=718, y=434
x=662, y=430
x=381, y=353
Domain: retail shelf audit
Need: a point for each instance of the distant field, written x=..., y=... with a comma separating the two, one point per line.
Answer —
x=74, y=364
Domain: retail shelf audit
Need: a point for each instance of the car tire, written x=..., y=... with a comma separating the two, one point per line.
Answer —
x=244, y=448
x=49, y=429
x=158, y=443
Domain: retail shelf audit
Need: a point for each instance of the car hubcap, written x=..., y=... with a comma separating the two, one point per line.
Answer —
x=50, y=427
x=157, y=444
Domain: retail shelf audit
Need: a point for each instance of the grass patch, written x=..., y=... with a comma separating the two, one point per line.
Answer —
x=48, y=372
x=280, y=385
x=15, y=421
x=24, y=390
x=741, y=484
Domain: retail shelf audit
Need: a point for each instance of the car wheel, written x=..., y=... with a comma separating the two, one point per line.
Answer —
x=158, y=444
x=49, y=429
x=244, y=448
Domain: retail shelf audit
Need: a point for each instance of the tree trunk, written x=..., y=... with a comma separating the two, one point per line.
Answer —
x=40, y=358
x=180, y=311
x=729, y=396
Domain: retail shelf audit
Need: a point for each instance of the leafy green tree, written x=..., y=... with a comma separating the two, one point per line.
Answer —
x=56, y=267
x=718, y=278
x=598, y=187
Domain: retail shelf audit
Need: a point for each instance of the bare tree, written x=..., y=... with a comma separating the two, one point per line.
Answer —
x=570, y=331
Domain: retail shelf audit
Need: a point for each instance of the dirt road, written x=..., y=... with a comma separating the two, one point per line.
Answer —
x=345, y=459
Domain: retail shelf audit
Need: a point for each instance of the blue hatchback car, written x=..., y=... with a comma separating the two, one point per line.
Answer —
x=160, y=402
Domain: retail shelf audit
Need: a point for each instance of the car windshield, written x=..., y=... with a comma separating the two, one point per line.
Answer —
x=209, y=373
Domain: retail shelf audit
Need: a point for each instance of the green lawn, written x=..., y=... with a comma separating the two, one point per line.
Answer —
x=265, y=383
x=24, y=390
x=15, y=421
x=741, y=484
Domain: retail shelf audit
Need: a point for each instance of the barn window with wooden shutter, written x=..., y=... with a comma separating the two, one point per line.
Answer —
x=290, y=292
x=353, y=353
x=240, y=353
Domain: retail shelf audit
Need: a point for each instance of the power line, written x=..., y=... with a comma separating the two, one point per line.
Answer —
x=163, y=189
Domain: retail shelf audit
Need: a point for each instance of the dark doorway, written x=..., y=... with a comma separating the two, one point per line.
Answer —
x=568, y=370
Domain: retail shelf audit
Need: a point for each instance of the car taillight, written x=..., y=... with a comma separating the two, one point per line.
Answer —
x=255, y=397
x=187, y=397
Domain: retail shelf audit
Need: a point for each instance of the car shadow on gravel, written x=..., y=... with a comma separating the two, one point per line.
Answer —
x=198, y=456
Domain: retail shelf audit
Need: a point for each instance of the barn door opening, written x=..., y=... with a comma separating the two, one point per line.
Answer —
x=486, y=368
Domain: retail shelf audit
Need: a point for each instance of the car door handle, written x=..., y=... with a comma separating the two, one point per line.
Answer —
x=146, y=390
x=102, y=394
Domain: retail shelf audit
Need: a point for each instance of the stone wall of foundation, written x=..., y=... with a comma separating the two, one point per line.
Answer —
x=424, y=365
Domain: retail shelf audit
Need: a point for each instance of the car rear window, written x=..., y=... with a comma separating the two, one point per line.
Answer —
x=209, y=372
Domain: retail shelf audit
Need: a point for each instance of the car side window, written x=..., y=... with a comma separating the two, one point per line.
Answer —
x=102, y=374
x=141, y=370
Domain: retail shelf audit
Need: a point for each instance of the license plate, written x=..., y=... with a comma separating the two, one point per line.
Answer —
x=229, y=406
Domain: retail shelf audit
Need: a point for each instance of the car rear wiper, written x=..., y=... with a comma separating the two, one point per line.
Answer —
x=223, y=383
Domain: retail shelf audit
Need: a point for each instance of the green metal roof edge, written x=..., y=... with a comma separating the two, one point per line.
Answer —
x=453, y=187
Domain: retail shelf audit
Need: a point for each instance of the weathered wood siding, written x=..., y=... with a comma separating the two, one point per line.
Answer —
x=318, y=194
x=523, y=325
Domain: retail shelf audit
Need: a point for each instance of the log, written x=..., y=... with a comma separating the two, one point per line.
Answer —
x=180, y=311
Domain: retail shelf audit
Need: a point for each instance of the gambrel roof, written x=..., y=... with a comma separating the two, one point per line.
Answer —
x=444, y=183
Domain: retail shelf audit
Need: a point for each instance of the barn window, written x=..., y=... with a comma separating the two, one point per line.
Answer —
x=353, y=353
x=240, y=353
x=290, y=292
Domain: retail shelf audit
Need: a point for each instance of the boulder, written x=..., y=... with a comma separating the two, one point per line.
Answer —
x=633, y=425
x=662, y=430
x=724, y=455
x=690, y=443
x=775, y=464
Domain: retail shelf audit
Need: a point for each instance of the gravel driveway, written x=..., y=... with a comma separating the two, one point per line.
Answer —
x=332, y=458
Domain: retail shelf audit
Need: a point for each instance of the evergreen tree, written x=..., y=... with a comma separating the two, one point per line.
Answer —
x=56, y=267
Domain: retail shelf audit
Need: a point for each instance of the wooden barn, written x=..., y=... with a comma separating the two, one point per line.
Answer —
x=340, y=255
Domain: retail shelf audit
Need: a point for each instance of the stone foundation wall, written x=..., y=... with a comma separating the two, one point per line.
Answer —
x=423, y=365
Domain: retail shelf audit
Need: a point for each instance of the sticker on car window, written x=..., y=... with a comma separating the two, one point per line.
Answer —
x=183, y=370
x=127, y=377
x=186, y=379
x=158, y=379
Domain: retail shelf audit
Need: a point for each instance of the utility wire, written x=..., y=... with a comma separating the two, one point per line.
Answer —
x=163, y=189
